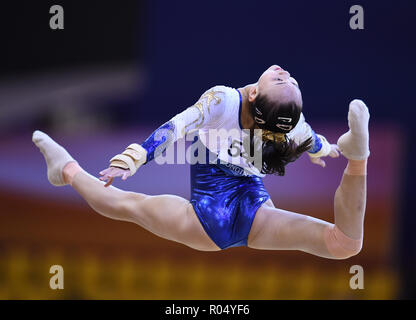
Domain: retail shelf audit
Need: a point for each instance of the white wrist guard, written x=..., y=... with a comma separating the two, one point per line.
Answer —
x=132, y=158
x=325, y=149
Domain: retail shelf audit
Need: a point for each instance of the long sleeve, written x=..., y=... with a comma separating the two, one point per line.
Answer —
x=205, y=113
x=303, y=131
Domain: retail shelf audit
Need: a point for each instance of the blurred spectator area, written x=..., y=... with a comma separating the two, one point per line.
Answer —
x=78, y=78
x=78, y=99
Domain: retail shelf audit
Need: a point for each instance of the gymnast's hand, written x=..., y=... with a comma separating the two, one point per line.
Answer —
x=112, y=172
x=334, y=153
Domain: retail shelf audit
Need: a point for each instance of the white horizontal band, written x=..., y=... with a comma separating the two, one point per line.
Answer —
x=127, y=160
x=132, y=158
x=119, y=164
x=138, y=157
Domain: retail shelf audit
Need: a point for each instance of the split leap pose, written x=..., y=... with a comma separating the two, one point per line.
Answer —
x=229, y=204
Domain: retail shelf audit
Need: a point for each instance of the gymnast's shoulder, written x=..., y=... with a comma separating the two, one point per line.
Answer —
x=223, y=98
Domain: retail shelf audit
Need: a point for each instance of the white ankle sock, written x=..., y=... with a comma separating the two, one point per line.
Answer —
x=56, y=157
x=354, y=144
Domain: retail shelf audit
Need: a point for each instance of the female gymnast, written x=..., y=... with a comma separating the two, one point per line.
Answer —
x=229, y=204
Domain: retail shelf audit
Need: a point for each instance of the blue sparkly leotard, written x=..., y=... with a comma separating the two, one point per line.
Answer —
x=226, y=202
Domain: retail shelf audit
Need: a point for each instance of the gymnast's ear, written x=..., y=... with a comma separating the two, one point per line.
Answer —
x=252, y=93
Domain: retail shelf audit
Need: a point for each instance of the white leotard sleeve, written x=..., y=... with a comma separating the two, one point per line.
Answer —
x=303, y=131
x=207, y=113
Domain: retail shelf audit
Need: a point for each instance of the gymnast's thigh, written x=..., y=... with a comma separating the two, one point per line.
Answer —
x=173, y=218
x=278, y=229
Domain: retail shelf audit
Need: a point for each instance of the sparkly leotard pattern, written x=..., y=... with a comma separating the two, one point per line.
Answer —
x=225, y=202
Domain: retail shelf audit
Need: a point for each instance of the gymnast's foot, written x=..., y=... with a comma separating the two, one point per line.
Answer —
x=55, y=155
x=354, y=144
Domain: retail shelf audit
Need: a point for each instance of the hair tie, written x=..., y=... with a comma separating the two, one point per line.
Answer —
x=273, y=136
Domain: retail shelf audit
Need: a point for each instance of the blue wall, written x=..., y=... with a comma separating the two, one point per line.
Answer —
x=193, y=45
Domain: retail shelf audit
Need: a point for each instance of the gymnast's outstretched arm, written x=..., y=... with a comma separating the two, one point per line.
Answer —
x=207, y=113
x=320, y=146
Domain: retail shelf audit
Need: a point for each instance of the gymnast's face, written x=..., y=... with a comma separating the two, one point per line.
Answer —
x=277, y=84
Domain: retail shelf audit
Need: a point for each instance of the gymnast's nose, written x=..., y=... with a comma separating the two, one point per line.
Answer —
x=284, y=74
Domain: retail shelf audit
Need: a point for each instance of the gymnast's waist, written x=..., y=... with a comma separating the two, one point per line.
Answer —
x=221, y=175
x=222, y=168
x=212, y=181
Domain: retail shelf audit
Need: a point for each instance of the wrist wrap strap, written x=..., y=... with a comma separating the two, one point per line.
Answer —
x=325, y=149
x=132, y=158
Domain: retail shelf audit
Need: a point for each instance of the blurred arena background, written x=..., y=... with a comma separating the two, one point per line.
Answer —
x=120, y=69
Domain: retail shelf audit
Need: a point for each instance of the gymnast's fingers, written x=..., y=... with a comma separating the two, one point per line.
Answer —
x=319, y=162
x=105, y=171
x=334, y=151
x=125, y=175
x=109, y=182
x=118, y=172
x=104, y=177
x=108, y=173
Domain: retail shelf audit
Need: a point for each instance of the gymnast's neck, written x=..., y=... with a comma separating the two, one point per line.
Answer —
x=247, y=120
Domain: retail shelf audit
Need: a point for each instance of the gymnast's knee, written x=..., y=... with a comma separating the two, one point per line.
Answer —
x=339, y=245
